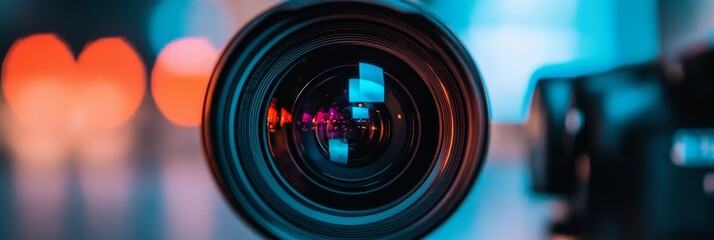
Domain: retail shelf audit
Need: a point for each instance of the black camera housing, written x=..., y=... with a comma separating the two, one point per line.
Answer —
x=623, y=172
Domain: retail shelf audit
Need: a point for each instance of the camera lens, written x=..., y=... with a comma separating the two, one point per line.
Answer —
x=345, y=119
x=358, y=128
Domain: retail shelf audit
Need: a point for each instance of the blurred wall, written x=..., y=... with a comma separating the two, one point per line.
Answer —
x=512, y=39
x=684, y=23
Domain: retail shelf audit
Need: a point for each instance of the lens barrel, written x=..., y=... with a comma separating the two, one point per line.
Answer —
x=345, y=119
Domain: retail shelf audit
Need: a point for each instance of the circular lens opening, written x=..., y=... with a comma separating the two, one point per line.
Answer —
x=350, y=126
x=345, y=119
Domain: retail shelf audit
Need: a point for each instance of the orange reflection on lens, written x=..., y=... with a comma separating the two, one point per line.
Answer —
x=285, y=117
x=180, y=78
x=272, y=117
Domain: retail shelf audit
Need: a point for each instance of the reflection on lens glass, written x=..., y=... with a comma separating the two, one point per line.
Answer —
x=358, y=131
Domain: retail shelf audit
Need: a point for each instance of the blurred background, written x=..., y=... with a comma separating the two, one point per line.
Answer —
x=101, y=103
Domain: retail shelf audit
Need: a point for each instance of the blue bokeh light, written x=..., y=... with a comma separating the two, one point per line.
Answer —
x=173, y=19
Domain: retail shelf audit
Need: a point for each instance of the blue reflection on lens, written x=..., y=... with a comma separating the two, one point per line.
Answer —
x=370, y=85
x=360, y=113
x=338, y=150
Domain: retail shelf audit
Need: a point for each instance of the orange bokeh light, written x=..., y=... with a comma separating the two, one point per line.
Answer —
x=113, y=82
x=180, y=78
x=45, y=86
x=37, y=75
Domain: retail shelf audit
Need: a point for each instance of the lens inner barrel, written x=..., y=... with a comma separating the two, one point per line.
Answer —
x=348, y=127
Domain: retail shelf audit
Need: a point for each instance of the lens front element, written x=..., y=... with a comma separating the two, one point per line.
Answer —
x=355, y=130
x=345, y=119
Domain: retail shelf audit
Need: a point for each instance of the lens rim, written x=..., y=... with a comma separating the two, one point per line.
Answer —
x=239, y=54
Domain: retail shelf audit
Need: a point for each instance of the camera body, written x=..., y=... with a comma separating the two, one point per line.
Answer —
x=630, y=149
x=345, y=119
